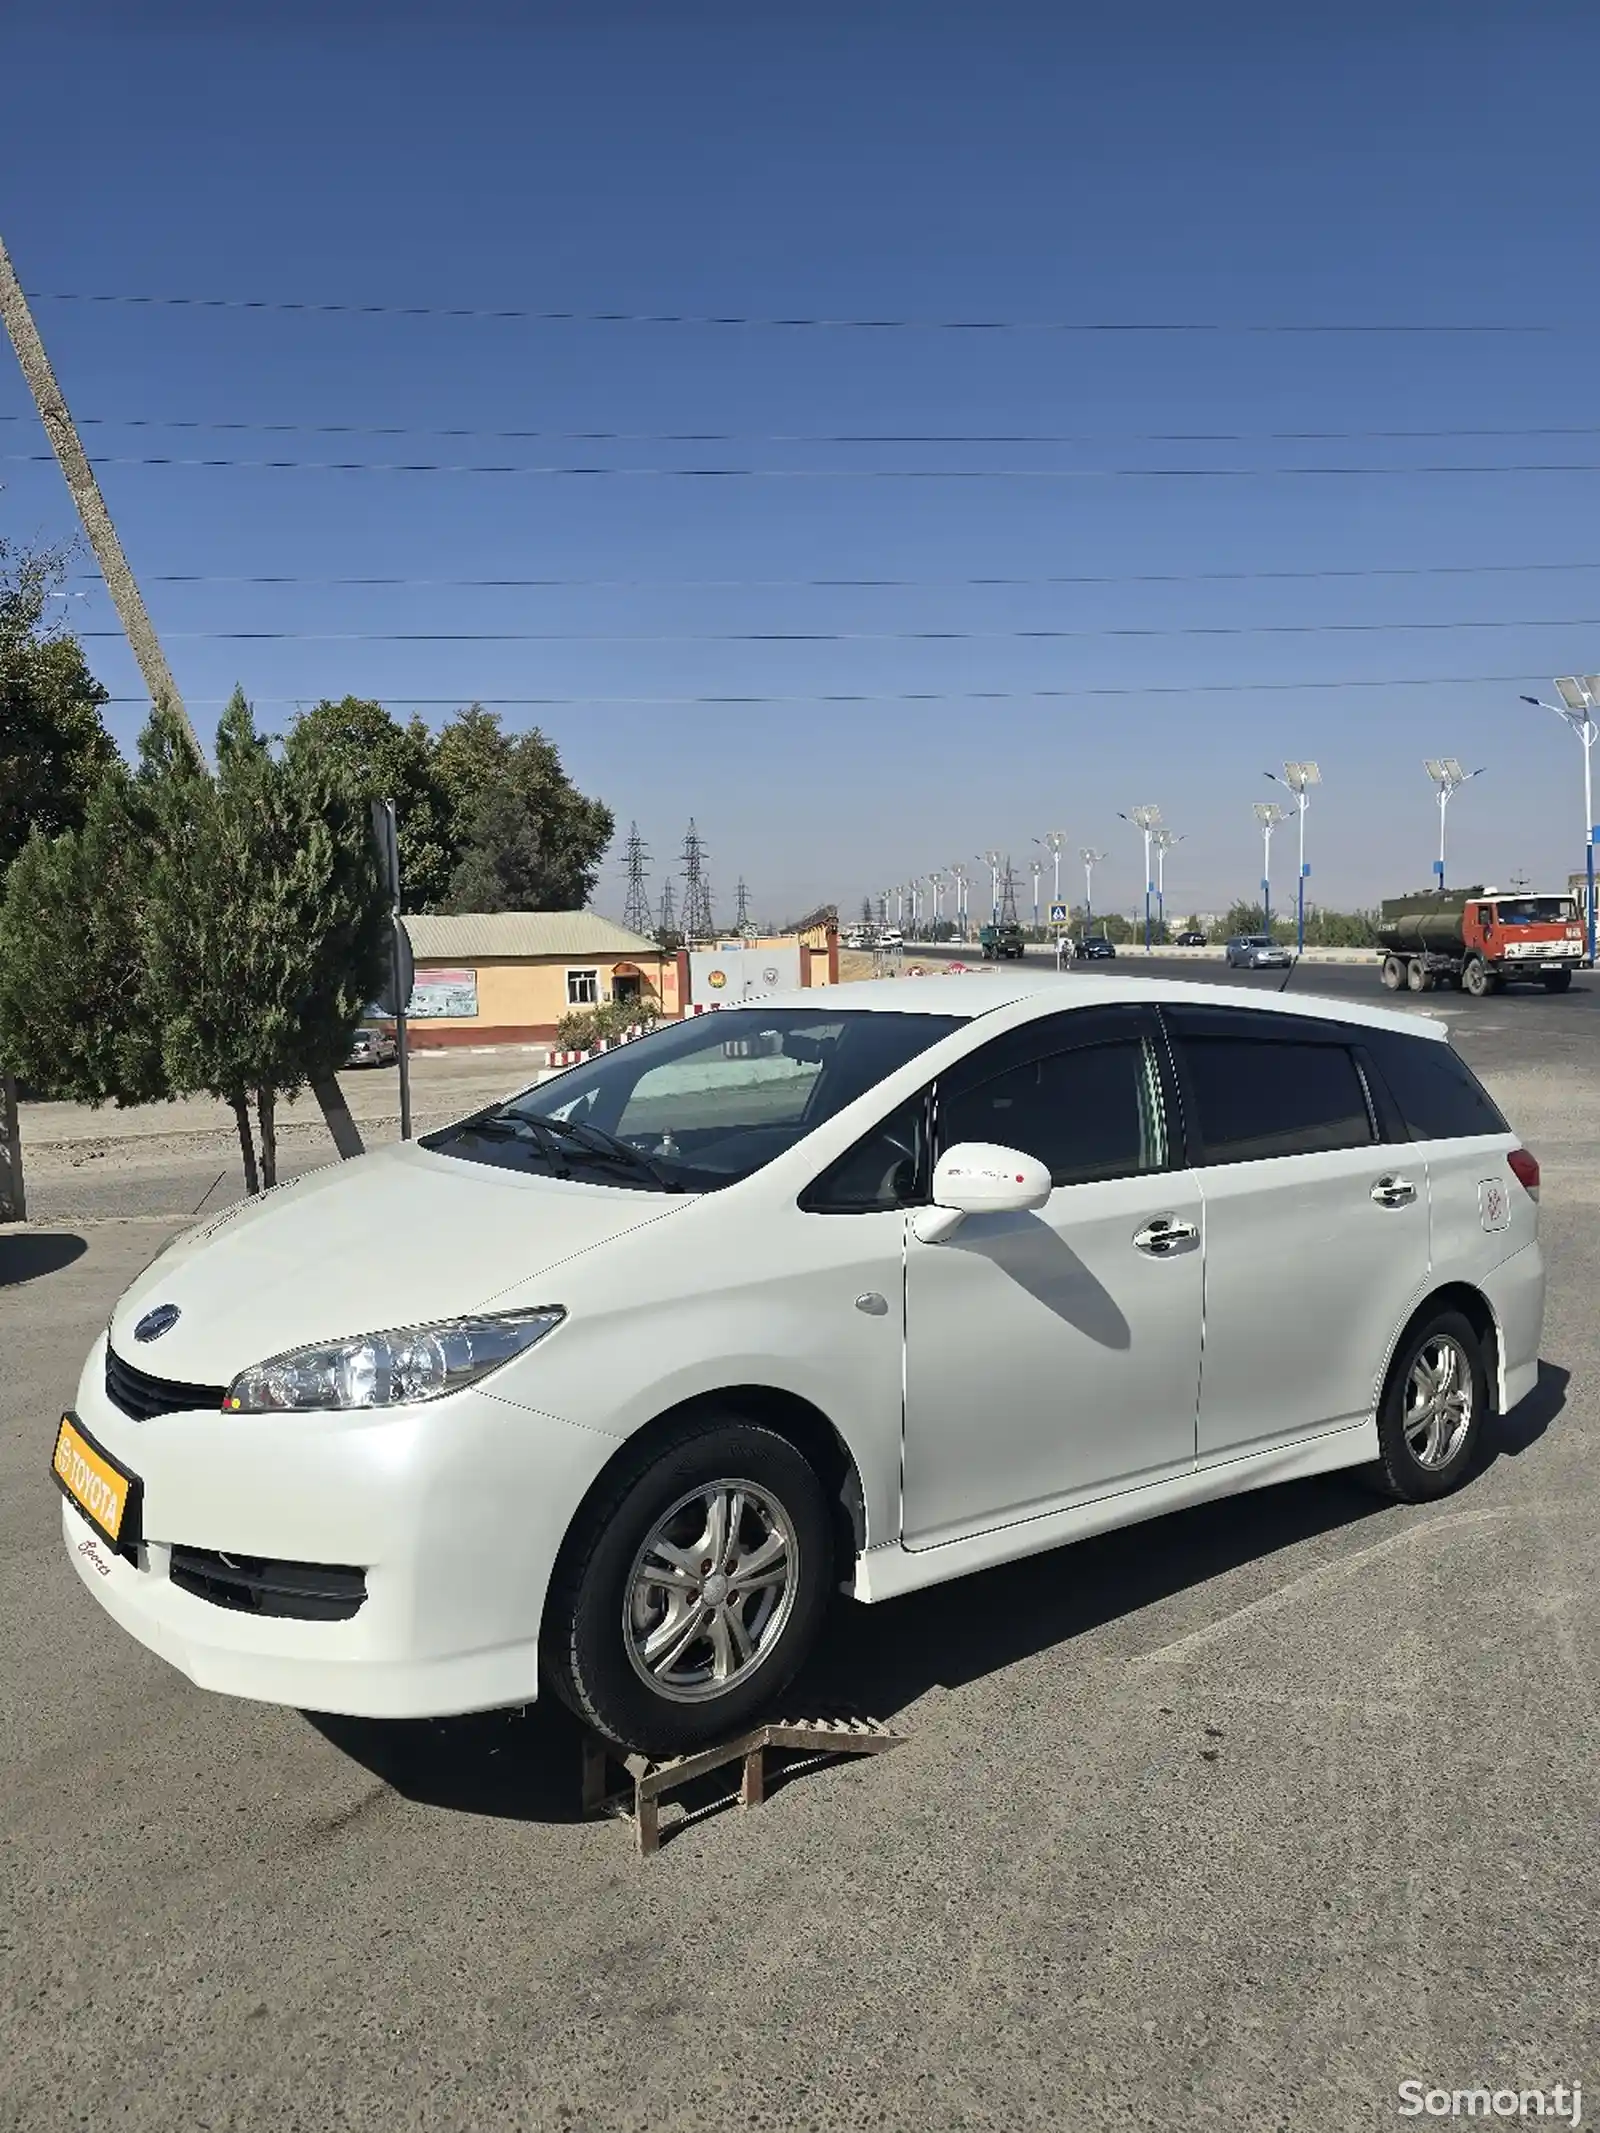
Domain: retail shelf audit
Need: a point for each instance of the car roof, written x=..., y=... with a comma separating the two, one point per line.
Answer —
x=969, y=994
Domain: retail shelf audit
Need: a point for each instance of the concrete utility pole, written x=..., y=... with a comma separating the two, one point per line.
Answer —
x=85, y=490
x=132, y=613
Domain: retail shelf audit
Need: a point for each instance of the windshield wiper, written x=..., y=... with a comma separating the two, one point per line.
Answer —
x=600, y=1143
x=596, y=1143
x=513, y=1126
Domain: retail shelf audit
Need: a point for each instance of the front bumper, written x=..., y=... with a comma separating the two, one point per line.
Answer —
x=455, y=1510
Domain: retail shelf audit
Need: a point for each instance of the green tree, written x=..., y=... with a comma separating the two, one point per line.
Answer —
x=501, y=867
x=265, y=926
x=384, y=760
x=53, y=746
x=568, y=831
x=75, y=1015
x=1341, y=929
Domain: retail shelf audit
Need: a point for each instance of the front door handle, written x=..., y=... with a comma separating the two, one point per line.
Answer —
x=1163, y=1235
x=1394, y=1192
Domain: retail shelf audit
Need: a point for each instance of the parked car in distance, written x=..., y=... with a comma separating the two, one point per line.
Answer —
x=608, y=1388
x=372, y=1046
x=1257, y=951
x=1094, y=948
x=1190, y=940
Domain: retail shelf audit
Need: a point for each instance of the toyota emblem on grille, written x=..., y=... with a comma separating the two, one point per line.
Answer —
x=154, y=1323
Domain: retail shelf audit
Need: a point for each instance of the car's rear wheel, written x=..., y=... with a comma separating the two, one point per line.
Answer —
x=1394, y=972
x=689, y=1594
x=1417, y=975
x=1432, y=1411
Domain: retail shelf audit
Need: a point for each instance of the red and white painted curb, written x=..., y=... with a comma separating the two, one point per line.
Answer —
x=606, y=1044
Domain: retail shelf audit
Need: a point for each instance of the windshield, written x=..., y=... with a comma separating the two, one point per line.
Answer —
x=1537, y=911
x=699, y=1104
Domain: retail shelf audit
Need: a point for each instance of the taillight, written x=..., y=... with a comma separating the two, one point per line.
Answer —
x=1525, y=1169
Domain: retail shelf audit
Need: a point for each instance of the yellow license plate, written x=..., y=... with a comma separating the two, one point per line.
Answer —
x=92, y=1480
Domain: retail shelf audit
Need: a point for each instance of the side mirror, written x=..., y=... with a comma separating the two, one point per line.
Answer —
x=980, y=1178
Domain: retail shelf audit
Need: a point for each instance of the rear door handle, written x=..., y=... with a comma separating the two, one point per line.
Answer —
x=1394, y=1192
x=1163, y=1235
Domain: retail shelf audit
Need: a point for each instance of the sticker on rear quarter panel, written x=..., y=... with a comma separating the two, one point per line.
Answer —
x=1494, y=1204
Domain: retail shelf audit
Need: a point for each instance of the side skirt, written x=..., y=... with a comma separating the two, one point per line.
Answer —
x=884, y=1573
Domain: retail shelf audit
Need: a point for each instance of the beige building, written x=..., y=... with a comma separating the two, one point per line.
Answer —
x=507, y=977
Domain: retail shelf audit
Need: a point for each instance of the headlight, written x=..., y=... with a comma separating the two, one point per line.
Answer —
x=389, y=1369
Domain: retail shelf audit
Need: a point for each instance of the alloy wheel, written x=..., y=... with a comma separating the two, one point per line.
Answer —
x=711, y=1591
x=1438, y=1402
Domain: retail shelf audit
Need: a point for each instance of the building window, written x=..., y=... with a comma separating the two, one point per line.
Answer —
x=583, y=988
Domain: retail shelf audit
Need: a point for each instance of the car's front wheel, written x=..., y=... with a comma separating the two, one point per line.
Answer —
x=1432, y=1411
x=690, y=1592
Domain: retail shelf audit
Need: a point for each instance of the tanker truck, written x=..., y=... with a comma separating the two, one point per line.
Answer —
x=1480, y=939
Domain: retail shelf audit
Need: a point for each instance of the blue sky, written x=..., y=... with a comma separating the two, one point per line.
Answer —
x=1230, y=167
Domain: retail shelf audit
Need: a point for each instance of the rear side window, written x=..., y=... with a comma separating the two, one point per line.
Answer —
x=1438, y=1095
x=1251, y=1098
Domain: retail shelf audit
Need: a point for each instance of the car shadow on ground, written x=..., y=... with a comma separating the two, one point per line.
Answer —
x=27, y=1255
x=878, y=1661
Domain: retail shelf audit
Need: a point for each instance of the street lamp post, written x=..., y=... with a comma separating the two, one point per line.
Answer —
x=992, y=861
x=1038, y=869
x=1146, y=820
x=958, y=883
x=1448, y=778
x=1580, y=698
x=1091, y=859
x=1055, y=844
x=1163, y=840
x=1269, y=814
x=1296, y=778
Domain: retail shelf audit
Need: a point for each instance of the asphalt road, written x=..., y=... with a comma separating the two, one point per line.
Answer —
x=1238, y=1819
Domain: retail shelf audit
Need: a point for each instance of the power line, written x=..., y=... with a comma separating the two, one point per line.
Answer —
x=1202, y=629
x=909, y=437
x=819, y=322
x=913, y=474
x=920, y=696
x=875, y=584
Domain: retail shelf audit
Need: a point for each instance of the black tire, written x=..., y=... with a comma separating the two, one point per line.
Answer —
x=586, y=1645
x=1394, y=973
x=1418, y=977
x=1400, y=1472
x=1476, y=977
x=1557, y=980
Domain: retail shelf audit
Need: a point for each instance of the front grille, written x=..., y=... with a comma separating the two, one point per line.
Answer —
x=257, y=1585
x=141, y=1396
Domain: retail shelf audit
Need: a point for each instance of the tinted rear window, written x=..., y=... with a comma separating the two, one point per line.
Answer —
x=1250, y=1099
x=1439, y=1096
